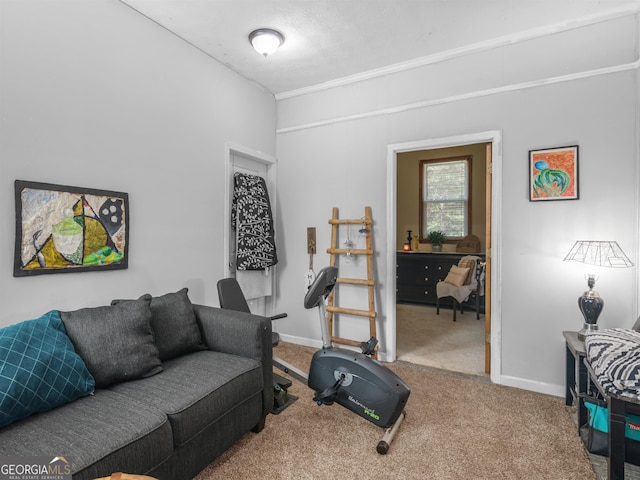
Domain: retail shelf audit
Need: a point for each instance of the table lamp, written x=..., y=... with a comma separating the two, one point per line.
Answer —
x=598, y=254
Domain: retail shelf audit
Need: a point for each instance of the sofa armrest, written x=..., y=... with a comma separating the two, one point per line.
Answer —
x=241, y=334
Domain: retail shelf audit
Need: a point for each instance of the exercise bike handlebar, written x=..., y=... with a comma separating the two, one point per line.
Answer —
x=321, y=287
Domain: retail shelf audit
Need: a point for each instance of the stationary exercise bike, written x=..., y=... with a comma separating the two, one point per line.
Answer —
x=352, y=379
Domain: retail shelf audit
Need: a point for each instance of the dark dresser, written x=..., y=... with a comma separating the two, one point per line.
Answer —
x=417, y=274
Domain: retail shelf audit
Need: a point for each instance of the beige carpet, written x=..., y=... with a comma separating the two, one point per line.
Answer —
x=457, y=427
x=437, y=341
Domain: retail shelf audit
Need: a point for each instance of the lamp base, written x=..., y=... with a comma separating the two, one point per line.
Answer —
x=591, y=305
x=586, y=329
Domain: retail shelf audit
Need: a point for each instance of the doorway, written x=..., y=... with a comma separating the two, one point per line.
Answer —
x=493, y=138
x=243, y=160
x=425, y=337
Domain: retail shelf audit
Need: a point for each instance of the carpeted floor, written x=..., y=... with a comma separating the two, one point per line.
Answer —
x=425, y=338
x=457, y=427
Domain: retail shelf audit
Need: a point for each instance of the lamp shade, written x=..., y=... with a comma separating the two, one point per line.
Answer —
x=266, y=40
x=598, y=253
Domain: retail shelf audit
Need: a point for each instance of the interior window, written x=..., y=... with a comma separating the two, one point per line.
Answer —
x=445, y=196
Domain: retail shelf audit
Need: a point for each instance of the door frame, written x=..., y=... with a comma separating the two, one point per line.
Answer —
x=231, y=150
x=495, y=138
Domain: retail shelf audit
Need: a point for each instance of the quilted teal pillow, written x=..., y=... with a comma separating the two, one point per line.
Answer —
x=39, y=368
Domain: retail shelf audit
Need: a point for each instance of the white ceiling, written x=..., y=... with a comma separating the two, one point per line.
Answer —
x=331, y=39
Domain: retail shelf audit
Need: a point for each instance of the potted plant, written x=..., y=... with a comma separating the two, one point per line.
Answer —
x=437, y=238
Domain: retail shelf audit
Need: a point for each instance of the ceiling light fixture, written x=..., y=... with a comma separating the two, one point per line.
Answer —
x=266, y=40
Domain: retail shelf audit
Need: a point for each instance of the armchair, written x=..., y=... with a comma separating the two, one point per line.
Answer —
x=464, y=280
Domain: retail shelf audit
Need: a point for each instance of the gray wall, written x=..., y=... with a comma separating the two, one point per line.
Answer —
x=543, y=92
x=92, y=94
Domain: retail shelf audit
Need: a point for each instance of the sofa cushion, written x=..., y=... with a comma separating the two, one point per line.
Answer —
x=116, y=342
x=196, y=390
x=174, y=325
x=39, y=369
x=99, y=434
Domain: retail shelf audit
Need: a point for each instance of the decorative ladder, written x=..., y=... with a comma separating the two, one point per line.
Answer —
x=369, y=282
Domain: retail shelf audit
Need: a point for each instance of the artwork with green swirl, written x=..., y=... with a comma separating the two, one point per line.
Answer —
x=69, y=229
x=553, y=174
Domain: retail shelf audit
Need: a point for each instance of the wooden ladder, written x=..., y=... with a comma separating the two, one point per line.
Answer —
x=369, y=282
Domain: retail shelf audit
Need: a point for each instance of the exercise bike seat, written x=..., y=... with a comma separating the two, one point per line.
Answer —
x=322, y=286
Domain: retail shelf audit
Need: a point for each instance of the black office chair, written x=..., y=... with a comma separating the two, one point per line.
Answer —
x=231, y=297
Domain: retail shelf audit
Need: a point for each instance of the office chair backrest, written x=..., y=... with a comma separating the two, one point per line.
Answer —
x=231, y=296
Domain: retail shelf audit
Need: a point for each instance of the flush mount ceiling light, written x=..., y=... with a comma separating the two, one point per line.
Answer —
x=266, y=40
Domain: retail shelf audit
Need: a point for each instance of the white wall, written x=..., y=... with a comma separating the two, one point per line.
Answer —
x=577, y=86
x=93, y=94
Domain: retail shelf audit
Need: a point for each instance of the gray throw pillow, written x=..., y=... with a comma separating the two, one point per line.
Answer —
x=174, y=324
x=116, y=342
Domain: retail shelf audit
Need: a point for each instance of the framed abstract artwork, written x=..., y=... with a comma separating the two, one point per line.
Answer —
x=553, y=174
x=62, y=229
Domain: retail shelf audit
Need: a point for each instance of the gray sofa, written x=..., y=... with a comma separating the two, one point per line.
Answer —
x=174, y=386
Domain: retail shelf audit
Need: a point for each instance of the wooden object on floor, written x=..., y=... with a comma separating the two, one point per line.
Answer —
x=369, y=282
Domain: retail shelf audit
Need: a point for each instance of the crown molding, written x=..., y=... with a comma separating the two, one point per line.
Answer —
x=497, y=42
x=466, y=96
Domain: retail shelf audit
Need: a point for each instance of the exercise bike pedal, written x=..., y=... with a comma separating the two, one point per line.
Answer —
x=328, y=395
x=281, y=381
x=369, y=347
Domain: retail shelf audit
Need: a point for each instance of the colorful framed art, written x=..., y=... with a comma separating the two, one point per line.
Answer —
x=62, y=229
x=553, y=174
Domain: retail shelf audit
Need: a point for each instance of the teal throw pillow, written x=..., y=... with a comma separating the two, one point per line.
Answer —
x=39, y=368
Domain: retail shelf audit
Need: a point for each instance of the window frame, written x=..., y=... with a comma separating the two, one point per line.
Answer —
x=421, y=195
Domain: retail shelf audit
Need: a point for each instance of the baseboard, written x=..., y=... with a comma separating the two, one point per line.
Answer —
x=304, y=341
x=309, y=342
x=533, y=386
x=506, y=380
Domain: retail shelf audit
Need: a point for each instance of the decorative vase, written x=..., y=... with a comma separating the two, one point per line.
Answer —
x=436, y=248
x=591, y=305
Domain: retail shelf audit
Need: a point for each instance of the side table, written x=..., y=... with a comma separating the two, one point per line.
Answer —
x=576, y=375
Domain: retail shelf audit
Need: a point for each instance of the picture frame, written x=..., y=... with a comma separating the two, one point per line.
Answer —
x=64, y=229
x=553, y=174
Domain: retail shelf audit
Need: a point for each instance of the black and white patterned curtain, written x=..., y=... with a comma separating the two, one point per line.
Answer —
x=252, y=221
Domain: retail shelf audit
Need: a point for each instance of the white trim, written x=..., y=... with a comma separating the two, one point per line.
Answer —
x=495, y=138
x=498, y=42
x=636, y=277
x=466, y=96
x=538, y=387
x=304, y=341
